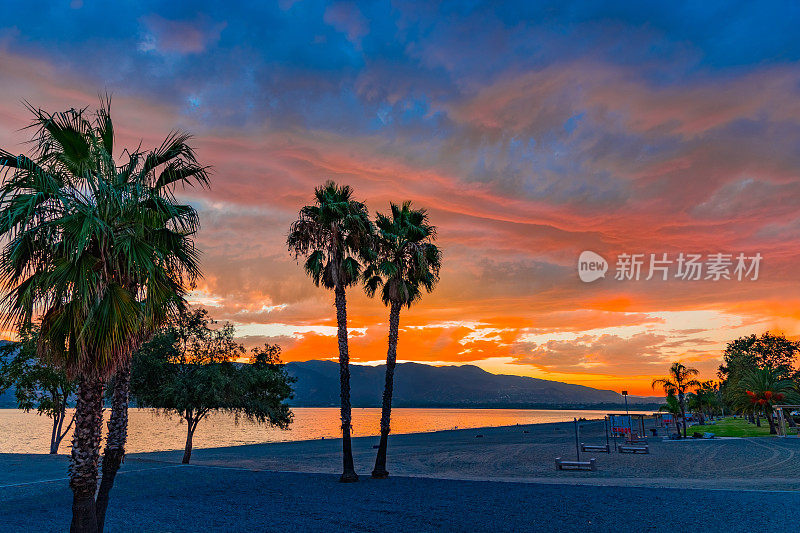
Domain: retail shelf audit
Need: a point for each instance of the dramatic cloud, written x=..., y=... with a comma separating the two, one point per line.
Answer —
x=611, y=352
x=531, y=132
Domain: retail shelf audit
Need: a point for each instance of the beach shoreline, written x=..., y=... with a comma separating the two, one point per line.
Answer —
x=148, y=431
x=442, y=454
x=526, y=453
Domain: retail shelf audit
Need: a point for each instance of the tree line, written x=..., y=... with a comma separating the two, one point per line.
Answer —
x=758, y=373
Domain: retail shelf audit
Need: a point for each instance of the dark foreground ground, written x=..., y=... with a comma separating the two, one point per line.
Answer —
x=200, y=498
x=504, y=480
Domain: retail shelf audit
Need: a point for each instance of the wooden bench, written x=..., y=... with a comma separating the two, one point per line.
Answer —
x=603, y=448
x=575, y=465
x=625, y=448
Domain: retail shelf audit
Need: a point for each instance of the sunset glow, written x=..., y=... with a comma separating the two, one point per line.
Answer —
x=641, y=136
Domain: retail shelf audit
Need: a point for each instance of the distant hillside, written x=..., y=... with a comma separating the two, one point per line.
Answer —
x=419, y=385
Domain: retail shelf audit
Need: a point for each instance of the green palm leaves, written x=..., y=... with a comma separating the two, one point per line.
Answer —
x=680, y=379
x=759, y=389
x=101, y=251
x=404, y=260
x=333, y=235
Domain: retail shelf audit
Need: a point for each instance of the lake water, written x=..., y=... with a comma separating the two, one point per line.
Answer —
x=29, y=433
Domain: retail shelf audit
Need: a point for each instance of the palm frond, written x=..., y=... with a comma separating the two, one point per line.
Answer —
x=334, y=235
x=403, y=255
x=102, y=251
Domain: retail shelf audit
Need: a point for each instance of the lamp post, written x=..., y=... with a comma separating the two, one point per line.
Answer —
x=628, y=415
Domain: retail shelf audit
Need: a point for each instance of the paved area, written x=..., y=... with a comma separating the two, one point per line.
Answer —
x=198, y=498
x=502, y=480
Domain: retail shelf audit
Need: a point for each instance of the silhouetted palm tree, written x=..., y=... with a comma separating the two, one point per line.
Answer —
x=334, y=236
x=678, y=382
x=405, y=263
x=100, y=251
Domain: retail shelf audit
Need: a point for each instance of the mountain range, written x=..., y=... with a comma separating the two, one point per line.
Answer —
x=420, y=385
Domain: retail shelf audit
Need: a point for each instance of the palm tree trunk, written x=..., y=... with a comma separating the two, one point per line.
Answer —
x=380, y=472
x=348, y=469
x=758, y=420
x=683, y=412
x=773, y=430
x=85, y=455
x=114, y=452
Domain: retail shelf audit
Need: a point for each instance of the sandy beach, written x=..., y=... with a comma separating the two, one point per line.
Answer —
x=448, y=480
x=527, y=453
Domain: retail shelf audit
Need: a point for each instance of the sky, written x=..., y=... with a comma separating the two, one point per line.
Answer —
x=530, y=131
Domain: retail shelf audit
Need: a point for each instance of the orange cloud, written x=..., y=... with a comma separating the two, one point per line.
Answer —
x=706, y=168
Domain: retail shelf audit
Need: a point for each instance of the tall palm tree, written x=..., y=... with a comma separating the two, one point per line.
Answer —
x=334, y=236
x=679, y=381
x=760, y=389
x=100, y=251
x=158, y=244
x=405, y=262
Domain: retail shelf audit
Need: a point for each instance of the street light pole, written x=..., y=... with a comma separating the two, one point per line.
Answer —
x=625, y=395
x=628, y=416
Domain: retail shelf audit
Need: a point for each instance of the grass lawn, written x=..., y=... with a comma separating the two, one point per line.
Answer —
x=734, y=427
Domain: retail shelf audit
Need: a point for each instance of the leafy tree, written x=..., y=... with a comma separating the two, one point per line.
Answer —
x=267, y=355
x=188, y=369
x=760, y=389
x=752, y=352
x=100, y=251
x=405, y=263
x=38, y=384
x=679, y=381
x=334, y=236
x=704, y=400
